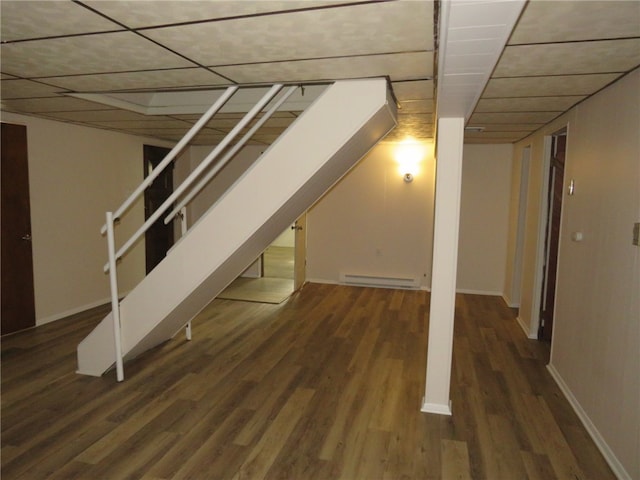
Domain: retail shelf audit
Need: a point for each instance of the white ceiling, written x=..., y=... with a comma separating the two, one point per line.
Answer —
x=559, y=53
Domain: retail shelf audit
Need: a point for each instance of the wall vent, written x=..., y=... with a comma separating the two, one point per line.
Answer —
x=378, y=281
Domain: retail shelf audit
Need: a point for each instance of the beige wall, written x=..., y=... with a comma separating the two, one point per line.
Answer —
x=484, y=217
x=596, y=337
x=76, y=174
x=373, y=223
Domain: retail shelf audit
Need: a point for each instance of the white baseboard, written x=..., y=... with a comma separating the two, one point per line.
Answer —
x=436, y=408
x=336, y=282
x=509, y=303
x=479, y=292
x=609, y=456
x=73, y=311
x=525, y=328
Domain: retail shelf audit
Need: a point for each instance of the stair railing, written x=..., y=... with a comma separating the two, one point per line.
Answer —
x=112, y=218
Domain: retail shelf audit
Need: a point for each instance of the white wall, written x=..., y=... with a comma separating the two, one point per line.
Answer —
x=596, y=336
x=76, y=174
x=374, y=223
x=484, y=218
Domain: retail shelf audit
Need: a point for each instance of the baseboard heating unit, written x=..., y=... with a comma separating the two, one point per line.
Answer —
x=378, y=281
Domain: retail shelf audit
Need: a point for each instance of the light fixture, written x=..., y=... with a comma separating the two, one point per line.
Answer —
x=408, y=154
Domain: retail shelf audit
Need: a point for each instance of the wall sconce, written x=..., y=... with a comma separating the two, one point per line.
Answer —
x=408, y=154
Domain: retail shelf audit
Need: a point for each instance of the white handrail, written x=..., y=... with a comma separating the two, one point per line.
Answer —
x=115, y=302
x=229, y=155
x=174, y=151
x=196, y=173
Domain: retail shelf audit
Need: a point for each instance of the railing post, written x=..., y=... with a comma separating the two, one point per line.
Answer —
x=183, y=231
x=115, y=302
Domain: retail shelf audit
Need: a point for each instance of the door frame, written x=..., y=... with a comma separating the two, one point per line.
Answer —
x=539, y=276
x=300, y=252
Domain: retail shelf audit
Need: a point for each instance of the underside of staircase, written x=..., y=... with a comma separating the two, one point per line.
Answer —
x=324, y=142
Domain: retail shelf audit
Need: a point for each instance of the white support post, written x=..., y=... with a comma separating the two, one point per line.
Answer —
x=183, y=231
x=445, y=261
x=115, y=302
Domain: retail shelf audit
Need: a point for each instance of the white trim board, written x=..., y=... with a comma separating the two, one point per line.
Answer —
x=525, y=328
x=471, y=291
x=73, y=311
x=609, y=456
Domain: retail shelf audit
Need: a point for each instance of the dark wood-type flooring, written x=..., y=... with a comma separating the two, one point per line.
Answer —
x=326, y=385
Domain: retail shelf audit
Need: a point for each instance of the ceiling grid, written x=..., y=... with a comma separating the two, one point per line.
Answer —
x=558, y=54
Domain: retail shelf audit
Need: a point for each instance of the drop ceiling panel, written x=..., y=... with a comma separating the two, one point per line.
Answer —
x=398, y=66
x=604, y=56
x=510, y=127
x=512, y=135
x=26, y=89
x=548, y=86
x=136, y=13
x=413, y=90
x=52, y=104
x=37, y=19
x=148, y=123
x=577, y=20
x=153, y=79
x=107, y=52
x=363, y=29
x=527, y=104
x=418, y=126
x=528, y=117
x=98, y=116
x=417, y=106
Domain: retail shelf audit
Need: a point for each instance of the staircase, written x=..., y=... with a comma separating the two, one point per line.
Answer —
x=324, y=142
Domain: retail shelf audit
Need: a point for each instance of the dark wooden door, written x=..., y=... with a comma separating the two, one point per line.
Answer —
x=556, y=189
x=18, y=304
x=159, y=237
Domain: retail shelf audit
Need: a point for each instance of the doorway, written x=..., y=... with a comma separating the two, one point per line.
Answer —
x=18, y=299
x=552, y=234
x=277, y=273
x=159, y=237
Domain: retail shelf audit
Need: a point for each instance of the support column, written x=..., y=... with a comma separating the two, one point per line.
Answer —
x=449, y=144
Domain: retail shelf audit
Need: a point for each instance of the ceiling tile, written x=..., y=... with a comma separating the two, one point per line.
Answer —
x=398, y=27
x=528, y=104
x=417, y=106
x=97, y=116
x=36, y=19
x=146, y=123
x=137, y=14
x=510, y=127
x=25, y=89
x=528, y=117
x=502, y=135
x=551, y=85
x=604, y=56
x=418, y=126
x=577, y=20
x=52, y=104
x=413, y=89
x=152, y=79
x=400, y=66
x=101, y=53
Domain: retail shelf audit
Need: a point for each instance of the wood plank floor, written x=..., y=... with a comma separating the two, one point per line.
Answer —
x=326, y=385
